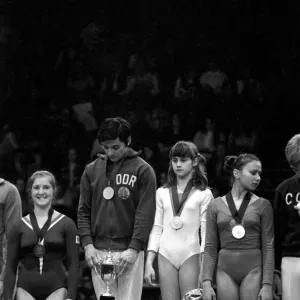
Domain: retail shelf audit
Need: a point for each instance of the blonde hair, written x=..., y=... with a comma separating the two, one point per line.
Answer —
x=292, y=150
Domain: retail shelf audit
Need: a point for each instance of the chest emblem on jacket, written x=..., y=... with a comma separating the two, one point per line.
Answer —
x=123, y=192
x=289, y=197
x=126, y=179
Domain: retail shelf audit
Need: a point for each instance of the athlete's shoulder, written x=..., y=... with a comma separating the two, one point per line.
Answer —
x=67, y=221
x=215, y=202
x=206, y=192
x=162, y=190
x=288, y=183
x=96, y=163
x=263, y=201
x=4, y=184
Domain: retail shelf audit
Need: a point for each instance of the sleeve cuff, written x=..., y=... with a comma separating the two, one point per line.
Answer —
x=136, y=245
x=266, y=281
x=85, y=240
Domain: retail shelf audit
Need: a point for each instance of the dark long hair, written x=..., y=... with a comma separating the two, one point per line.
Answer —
x=186, y=149
x=232, y=162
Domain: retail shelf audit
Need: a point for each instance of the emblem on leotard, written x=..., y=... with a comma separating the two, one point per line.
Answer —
x=108, y=193
x=238, y=231
x=39, y=250
x=124, y=192
x=176, y=222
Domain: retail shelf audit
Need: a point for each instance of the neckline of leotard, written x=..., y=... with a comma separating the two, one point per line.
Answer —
x=40, y=232
x=238, y=215
x=176, y=205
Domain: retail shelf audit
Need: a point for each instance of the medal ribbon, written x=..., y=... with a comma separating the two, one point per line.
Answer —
x=109, y=183
x=41, y=232
x=178, y=207
x=238, y=215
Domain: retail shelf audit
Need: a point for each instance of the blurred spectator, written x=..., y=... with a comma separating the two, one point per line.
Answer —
x=8, y=147
x=214, y=78
x=20, y=184
x=18, y=168
x=204, y=139
x=242, y=138
x=185, y=95
x=141, y=86
x=37, y=163
x=69, y=178
x=218, y=179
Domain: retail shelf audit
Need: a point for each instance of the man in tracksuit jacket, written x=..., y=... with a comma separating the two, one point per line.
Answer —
x=10, y=213
x=116, y=209
x=287, y=226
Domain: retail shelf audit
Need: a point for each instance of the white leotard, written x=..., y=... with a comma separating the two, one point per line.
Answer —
x=179, y=245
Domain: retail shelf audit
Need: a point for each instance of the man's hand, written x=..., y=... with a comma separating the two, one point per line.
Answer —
x=126, y=260
x=91, y=255
x=297, y=207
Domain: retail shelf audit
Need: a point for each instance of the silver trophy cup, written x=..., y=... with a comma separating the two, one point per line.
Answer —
x=107, y=270
x=195, y=294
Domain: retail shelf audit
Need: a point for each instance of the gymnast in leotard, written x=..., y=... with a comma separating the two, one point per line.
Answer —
x=180, y=216
x=39, y=244
x=240, y=224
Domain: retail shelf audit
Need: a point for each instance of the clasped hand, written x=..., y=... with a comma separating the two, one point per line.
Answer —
x=126, y=260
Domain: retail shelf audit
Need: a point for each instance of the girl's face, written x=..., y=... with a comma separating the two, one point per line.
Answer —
x=42, y=192
x=183, y=166
x=249, y=176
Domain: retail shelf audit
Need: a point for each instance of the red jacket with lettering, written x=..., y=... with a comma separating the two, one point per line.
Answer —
x=287, y=220
x=125, y=220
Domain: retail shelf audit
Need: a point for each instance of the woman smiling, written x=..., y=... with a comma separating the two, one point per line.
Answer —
x=41, y=241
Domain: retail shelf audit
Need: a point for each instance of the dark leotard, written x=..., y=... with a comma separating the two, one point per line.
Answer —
x=41, y=277
x=258, y=223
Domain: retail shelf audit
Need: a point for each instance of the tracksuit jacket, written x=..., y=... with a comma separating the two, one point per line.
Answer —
x=125, y=221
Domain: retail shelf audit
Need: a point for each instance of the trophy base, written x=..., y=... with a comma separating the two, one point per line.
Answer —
x=106, y=297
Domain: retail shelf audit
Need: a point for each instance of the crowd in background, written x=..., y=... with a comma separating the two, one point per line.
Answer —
x=57, y=86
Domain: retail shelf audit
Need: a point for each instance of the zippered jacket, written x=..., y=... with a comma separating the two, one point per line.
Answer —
x=125, y=220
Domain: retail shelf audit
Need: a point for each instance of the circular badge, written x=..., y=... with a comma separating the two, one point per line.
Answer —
x=176, y=222
x=238, y=231
x=108, y=192
x=39, y=250
x=124, y=192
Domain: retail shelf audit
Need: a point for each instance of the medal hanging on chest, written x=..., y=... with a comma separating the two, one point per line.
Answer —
x=238, y=230
x=177, y=222
x=108, y=192
x=39, y=249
